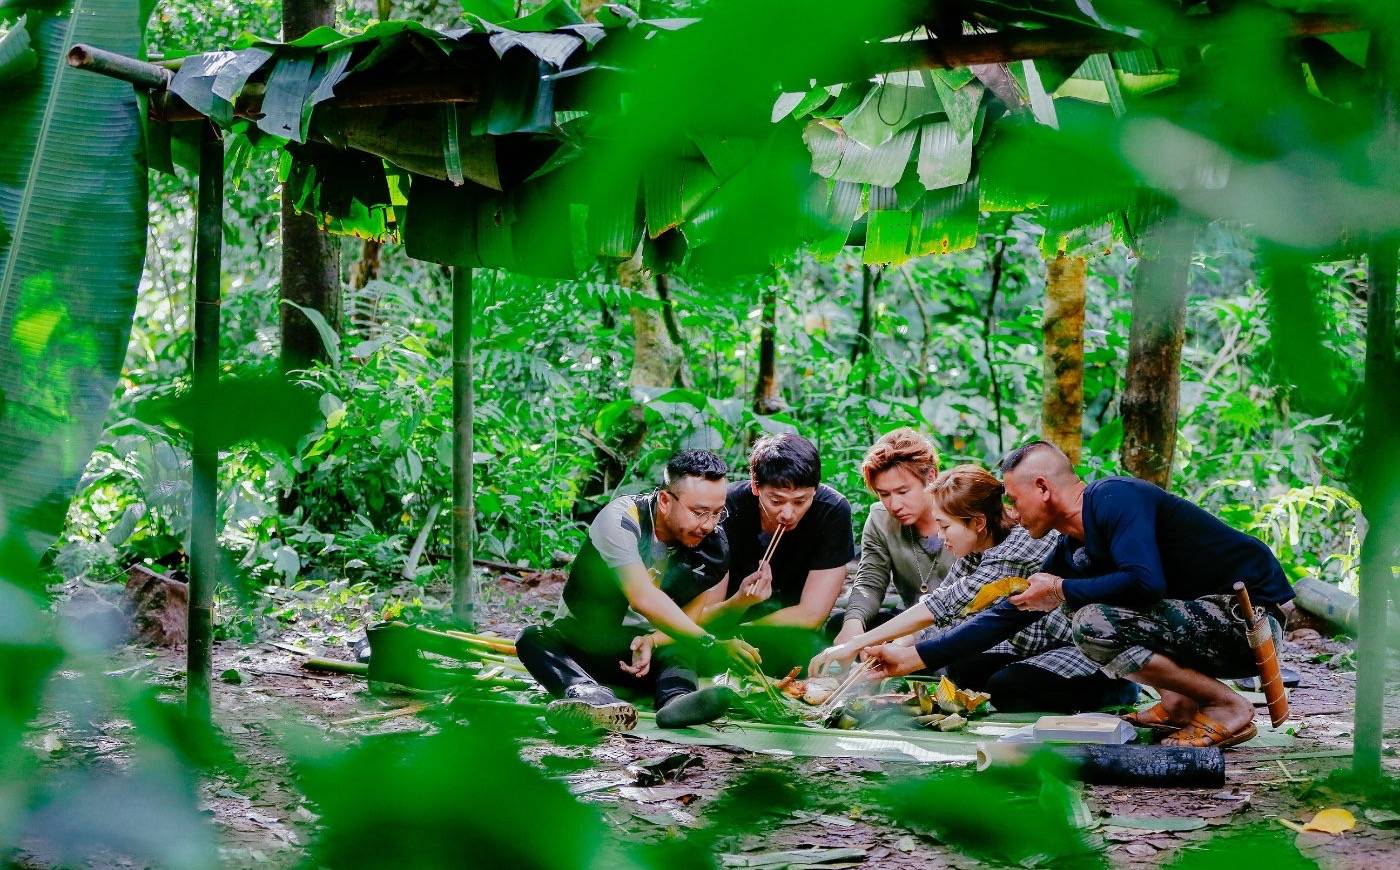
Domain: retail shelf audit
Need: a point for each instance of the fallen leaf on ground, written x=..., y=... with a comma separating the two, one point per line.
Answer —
x=1333, y=820
x=1383, y=817
x=665, y=793
x=1161, y=823
x=787, y=858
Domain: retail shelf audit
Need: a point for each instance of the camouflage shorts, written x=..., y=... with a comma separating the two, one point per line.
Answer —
x=1201, y=634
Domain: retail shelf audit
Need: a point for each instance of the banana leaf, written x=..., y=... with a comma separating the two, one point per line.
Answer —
x=16, y=56
x=71, y=265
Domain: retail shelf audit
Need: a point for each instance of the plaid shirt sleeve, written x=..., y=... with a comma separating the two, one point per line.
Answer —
x=1019, y=555
x=1048, y=643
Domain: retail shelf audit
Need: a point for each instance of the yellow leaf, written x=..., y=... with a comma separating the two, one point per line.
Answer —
x=1333, y=820
x=995, y=591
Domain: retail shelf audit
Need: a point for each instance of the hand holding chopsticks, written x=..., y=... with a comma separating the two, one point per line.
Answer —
x=758, y=586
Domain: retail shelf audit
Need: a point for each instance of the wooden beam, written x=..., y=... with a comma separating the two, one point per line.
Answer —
x=965, y=51
x=1015, y=44
x=166, y=106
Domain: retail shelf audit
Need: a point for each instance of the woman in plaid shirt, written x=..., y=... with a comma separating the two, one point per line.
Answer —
x=1039, y=668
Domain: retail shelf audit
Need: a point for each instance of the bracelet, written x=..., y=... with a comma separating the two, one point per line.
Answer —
x=1060, y=588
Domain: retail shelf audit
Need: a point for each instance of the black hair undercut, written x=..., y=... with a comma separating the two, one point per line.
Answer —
x=694, y=463
x=1017, y=456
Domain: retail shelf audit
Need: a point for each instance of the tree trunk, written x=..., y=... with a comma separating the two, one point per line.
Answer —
x=365, y=269
x=656, y=358
x=865, y=331
x=768, y=397
x=1062, y=399
x=673, y=330
x=988, y=328
x=1152, y=388
x=310, y=257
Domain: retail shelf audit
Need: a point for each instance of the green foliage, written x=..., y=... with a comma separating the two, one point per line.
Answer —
x=70, y=253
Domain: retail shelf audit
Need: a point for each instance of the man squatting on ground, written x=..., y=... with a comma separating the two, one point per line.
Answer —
x=658, y=561
x=781, y=605
x=1147, y=578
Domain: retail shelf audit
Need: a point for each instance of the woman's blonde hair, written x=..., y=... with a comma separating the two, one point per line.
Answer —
x=968, y=492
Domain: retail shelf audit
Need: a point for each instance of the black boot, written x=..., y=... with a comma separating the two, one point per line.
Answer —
x=590, y=707
x=695, y=708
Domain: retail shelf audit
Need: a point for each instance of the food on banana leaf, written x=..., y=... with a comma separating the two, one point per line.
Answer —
x=791, y=685
x=818, y=689
x=930, y=720
x=952, y=723
x=954, y=701
x=995, y=591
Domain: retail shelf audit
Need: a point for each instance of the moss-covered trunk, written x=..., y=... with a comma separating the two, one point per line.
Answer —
x=1152, y=389
x=1062, y=399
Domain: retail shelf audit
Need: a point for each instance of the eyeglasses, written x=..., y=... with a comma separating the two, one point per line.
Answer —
x=703, y=516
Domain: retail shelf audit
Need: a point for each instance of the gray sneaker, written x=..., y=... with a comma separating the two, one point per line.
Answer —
x=590, y=708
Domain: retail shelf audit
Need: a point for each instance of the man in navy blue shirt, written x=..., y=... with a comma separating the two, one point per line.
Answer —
x=1147, y=578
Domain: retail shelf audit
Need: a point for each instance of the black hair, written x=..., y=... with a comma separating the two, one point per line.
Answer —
x=694, y=463
x=786, y=460
x=1017, y=456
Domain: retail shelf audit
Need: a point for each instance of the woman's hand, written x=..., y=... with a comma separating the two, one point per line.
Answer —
x=892, y=660
x=842, y=654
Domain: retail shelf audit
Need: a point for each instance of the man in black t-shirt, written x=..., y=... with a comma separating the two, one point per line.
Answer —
x=785, y=601
x=653, y=561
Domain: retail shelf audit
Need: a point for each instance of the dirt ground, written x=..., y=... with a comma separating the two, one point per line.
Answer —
x=263, y=821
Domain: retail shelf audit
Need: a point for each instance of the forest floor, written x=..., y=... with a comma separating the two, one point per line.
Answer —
x=262, y=819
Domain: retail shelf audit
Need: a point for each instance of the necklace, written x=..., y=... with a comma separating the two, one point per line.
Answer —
x=918, y=548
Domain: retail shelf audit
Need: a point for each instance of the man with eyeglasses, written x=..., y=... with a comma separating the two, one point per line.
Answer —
x=785, y=601
x=634, y=606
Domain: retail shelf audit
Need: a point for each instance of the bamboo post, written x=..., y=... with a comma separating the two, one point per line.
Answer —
x=1378, y=480
x=1379, y=497
x=204, y=454
x=463, y=512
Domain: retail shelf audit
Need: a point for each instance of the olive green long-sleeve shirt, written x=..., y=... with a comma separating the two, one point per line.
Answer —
x=891, y=552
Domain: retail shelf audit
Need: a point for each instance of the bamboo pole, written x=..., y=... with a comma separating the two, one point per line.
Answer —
x=1378, y=455
x=336, y=666
x=1379, y=497
x=463, y=510
x=204, y=455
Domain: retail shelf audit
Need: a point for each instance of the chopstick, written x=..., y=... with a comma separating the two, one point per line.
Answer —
x=856, y=673
x=772, y=545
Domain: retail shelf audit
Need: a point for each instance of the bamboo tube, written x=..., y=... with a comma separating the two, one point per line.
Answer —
x=335, y=666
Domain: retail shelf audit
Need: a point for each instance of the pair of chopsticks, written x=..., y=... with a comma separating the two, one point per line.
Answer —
x=842, y=690
x=772, y=545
